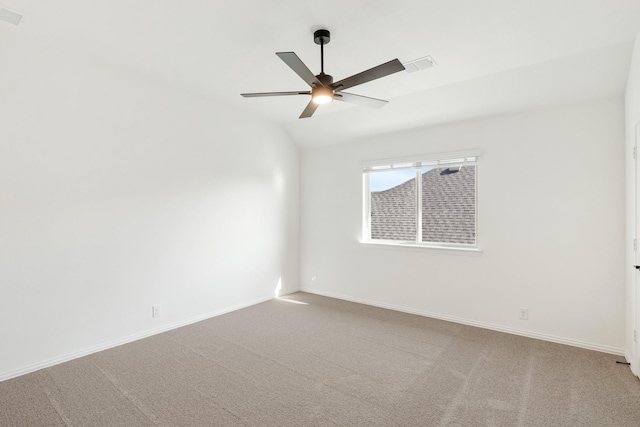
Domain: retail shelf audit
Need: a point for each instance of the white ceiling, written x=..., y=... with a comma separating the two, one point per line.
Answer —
x=493, y=55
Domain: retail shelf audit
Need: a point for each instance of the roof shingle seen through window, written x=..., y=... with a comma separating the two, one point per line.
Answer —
x=448, y=209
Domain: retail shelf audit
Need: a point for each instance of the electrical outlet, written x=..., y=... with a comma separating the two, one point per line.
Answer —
x=524, y=314
x=314, y=279
x=155, y=311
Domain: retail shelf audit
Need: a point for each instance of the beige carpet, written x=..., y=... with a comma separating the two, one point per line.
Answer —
x=309, y=360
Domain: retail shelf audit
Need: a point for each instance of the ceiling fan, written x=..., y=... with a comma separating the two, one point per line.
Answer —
x=323, y=89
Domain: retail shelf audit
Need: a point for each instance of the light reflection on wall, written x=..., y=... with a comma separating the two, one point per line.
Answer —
x=278, y=287
x=279, y=182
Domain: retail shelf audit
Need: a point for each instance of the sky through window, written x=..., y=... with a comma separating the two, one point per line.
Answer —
x=384, y=180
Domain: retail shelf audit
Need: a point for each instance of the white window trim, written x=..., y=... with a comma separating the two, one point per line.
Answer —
x=412, y=246
x=427, y=158
x=458, y=158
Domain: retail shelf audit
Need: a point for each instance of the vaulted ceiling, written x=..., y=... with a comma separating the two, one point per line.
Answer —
x=493, y=56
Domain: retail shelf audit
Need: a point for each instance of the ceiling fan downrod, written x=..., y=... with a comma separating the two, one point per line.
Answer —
x=322, y=37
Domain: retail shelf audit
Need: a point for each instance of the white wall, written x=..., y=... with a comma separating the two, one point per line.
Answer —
x=551, y=224
x=117, y=194
x=632, y=111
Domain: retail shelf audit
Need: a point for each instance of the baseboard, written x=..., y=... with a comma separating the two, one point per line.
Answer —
x=634, y=368
x=130, y=338
x=484, y=325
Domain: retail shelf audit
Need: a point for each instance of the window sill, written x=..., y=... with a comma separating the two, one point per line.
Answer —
x=426, y=248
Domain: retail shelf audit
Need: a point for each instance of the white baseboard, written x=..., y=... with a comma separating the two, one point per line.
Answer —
x=130, y=338
x=484, y=325
x=634, y=368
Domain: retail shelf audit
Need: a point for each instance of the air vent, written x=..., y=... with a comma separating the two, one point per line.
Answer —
x=419, y=64
x=10, y=17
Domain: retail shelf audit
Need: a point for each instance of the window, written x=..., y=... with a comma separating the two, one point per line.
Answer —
x=428, y=202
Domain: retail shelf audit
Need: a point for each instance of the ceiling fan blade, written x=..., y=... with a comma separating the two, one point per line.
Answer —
x=255, y=95
x=308, y=112
x=292, y=60
x=360, y=100
x=382, y=70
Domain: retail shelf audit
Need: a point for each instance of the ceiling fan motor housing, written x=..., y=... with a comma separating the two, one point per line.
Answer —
x=325, y=79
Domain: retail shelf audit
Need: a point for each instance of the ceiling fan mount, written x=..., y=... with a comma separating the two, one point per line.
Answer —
x=321, y=37
x=323, y=89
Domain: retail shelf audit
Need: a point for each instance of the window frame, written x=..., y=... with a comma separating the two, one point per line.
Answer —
x=418, y=163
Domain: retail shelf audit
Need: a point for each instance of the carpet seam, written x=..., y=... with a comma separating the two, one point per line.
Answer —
x=113, y=381
x=54, y=403
x=525, y=394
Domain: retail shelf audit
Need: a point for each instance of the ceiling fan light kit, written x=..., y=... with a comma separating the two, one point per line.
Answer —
x=322, y=95
x=323, y=89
